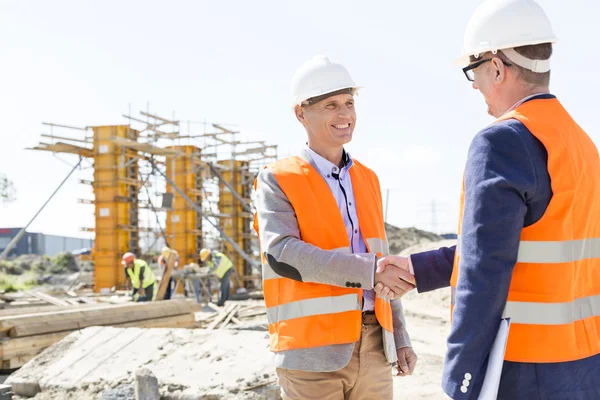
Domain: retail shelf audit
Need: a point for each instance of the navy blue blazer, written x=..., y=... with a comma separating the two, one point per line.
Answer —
x=508, y=188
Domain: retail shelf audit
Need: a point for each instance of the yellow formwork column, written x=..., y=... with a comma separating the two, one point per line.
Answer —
x=116, y=187
x=184, y=224
x=236, y=222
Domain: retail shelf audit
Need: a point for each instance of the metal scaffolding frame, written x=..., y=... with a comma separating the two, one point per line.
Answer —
x=219, y=169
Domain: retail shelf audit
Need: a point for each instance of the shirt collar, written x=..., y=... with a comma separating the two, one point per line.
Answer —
x=326, y=167
x=523, y=100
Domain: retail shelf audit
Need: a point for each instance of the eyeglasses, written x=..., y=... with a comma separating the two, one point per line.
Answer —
x=469, y=70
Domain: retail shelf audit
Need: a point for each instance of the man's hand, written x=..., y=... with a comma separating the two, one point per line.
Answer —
x=392, y=279
x=407, y=361
x=142, y=292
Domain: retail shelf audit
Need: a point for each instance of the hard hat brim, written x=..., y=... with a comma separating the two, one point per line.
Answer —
x=300, y=101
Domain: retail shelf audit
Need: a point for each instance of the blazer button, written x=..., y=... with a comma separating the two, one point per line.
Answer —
x=463, y=389
x=358, y=285
x=348, y=284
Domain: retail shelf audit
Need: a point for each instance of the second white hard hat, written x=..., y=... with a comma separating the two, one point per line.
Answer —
x=504, y=24
x=320, y=76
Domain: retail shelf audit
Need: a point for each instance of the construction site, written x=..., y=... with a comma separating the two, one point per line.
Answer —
x=154, y=187
x=434, y=238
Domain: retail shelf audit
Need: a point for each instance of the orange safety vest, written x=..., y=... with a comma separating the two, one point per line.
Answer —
x=306, y=315
x=554, y=295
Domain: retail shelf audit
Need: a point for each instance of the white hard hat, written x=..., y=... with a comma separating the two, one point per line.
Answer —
x=320, y=76
x=505, y=24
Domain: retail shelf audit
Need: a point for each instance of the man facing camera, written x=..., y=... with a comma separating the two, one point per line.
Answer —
x=320, y=222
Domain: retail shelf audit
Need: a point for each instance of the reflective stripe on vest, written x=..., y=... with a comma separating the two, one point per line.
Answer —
x=305, y=314
x=546, y=252
x=554, y=296
x=521, y=312
x=310, y=307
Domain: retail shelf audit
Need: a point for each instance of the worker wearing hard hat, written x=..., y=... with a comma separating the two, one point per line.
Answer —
x=220, y=265
x=320, y=222
x=141, y=278
x=528, y=259
x=162, y=261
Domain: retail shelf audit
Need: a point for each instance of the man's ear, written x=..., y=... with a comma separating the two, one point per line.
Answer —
x=500, y=70
x=299, y=110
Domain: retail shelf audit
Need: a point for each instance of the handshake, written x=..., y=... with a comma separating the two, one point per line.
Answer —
x=393, y=278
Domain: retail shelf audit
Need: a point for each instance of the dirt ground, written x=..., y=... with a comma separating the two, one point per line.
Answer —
x=99, y=363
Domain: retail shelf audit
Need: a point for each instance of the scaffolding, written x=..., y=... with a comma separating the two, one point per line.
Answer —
x=155, y=185
x=184, y=223
x=116, y=188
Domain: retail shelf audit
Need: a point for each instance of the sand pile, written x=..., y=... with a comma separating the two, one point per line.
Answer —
x=402, y=238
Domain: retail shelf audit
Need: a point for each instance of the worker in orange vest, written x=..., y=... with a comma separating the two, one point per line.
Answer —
x=320, y=222
x=528, y=258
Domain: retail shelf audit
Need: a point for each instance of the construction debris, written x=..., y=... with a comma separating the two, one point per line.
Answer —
x=234, y=314
x=23, y=336
x=6, y=392
x=146, y=385
x=93, y=363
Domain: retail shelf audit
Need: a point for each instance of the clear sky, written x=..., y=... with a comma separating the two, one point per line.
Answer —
x=86, y=63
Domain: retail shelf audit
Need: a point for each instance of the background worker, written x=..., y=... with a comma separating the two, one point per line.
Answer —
x=529, y=232
x=141, y=278
x=320, y=223
x=162, y=261
x=220, y=265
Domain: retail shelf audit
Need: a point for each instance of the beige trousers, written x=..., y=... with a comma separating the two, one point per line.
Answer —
x=368, y=375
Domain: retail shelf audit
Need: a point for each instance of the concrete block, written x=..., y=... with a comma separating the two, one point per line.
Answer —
x=146, y=385
x=6, y=392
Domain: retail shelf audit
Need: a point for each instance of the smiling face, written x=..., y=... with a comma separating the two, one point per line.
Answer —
x=330, y=122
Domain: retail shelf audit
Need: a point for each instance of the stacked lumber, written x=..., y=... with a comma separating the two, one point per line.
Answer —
x=233, y=314
x=23, y=336
x=36, y=298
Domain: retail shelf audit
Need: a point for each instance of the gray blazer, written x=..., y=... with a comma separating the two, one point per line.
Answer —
x=280, y=239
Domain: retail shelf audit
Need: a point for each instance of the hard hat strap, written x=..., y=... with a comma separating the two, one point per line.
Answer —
x=539, y=66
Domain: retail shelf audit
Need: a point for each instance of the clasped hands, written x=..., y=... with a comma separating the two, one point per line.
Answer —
x=392, y=277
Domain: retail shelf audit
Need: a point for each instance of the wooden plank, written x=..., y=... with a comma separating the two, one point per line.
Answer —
x=236, y=321
x=46, y=297
x=33, y=324
x=16, y=362
x=230, y=316
x=164, y=281
x=182, y=305
x=221, y=317
x=177, y=321
x=12, y=348
x=102, y=320
x=28, y=310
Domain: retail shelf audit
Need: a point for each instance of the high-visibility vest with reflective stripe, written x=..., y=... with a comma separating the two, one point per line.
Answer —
x=307, y=315
x=554, y=296
x=225, y=264
x=134, y=274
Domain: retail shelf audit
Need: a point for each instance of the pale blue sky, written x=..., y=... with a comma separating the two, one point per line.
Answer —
x=84, y=62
